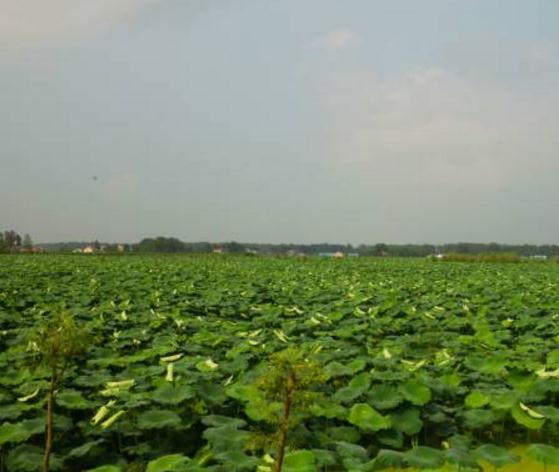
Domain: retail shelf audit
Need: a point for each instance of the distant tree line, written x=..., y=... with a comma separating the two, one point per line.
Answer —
x=173, y=245
x=10, y=241
x=162, y=244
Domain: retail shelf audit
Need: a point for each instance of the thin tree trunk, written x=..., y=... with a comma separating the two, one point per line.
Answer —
x=284, y=427
x=50, y=414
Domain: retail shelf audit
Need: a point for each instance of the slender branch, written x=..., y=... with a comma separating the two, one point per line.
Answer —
x=284, y=426
x=50, y=414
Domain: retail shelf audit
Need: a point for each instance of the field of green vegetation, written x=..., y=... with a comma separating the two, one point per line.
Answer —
x=216, y=363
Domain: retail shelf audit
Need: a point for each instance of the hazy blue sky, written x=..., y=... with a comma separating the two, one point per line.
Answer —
x=280, y=120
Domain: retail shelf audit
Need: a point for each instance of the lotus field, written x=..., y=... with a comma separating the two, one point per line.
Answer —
x=221, y=363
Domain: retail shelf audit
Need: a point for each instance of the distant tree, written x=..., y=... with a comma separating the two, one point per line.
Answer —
x=380, y=249
x=27, y=242
x=11, y=241
x=160, y=244
x=235, y=247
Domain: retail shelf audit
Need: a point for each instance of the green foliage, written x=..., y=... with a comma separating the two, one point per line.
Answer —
x=366, y=418
x=169, y=463
x=422, y=457
x=59, y=341
x=503, y=257
x=308, y=374
x=548, y=455
x=496, y=456
x=300, y=461
x=193, y=358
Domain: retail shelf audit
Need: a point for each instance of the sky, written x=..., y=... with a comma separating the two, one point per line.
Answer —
x=355, y=121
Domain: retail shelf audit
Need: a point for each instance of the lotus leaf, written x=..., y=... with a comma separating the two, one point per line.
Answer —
x=367, y=418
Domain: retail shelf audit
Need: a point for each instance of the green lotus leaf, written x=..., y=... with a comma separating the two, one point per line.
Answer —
x=14, y=411
x=477, y=418
x=72, y=400
x=324, y=459
x=525, y=419
x=243, y=392
x=35, y=425
x=496, y=456
x=218, y=421
x=105, y=468
x=408, y=421
x=13, y=433
x=207, y=365
x=367, y=418
x=503, y=399
x=384, y=397
x=476, y=400
x=237, y=460
x=85, y=449
x=548, y=455
x=391, y=438
x=452, y=381
x=423, y=457
x=357, y=386
x=356, y=366
x=92, y=379
x=553, y=358
x=521, y=381
x=262, y=411
x=299, y=461
x=344, y=433
x=550, y=412
x=462, y=458
x=226, y=438
x=170, y=395
x=212, y=393
x=26, y=458
x=492, y=365
x=351, y=451
x=335, y=369
x=328, y=409
x=157, y=419
x=459, y=441
x=169, y=463
x=386, y=459
x=415, y=392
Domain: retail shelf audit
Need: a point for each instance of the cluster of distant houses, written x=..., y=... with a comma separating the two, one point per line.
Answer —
x=93, y=249
x=293, y=253
x=338, y=254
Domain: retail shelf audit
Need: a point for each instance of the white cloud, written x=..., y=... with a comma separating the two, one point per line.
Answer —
x=335, y=40
x=432, y=126
x=31, y=22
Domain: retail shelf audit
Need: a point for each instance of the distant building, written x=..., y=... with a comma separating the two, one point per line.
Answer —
x=335, y=255
x=89, y=250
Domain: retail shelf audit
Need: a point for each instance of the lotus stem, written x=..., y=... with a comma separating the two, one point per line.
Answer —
x=284, y=427
x=50, y=415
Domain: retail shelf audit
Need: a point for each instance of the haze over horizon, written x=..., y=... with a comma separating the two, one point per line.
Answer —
x=297, y=121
